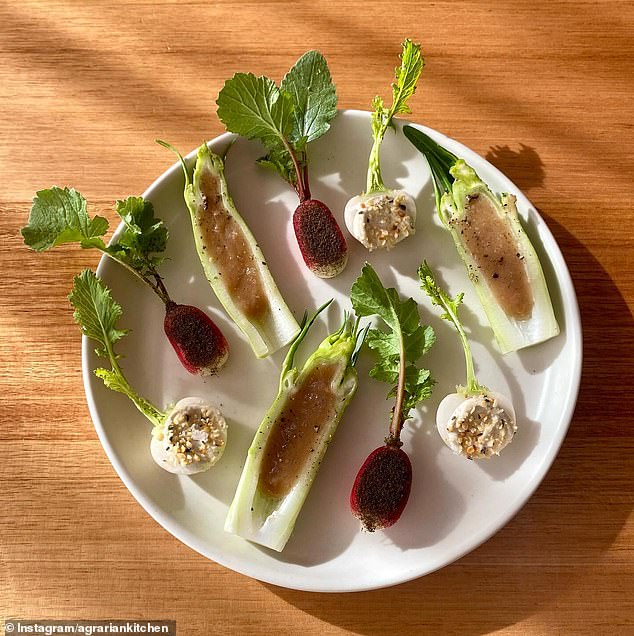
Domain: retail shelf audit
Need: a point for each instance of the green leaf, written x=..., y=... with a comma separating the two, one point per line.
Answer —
x=369, y=297
x=403, y=88
x=386, y=370
x=115, y=381
x=144, y=235
x=450, y=306
x=58, y=216
x=407, y=75
x=398, y=349
x=314, y=98
x=97, y=313
x=255, y=108
x=280, y=161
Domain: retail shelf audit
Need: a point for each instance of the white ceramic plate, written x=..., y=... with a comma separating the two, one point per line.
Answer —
x=454, y=505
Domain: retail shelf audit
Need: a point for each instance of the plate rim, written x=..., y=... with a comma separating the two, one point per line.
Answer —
x=573, y=327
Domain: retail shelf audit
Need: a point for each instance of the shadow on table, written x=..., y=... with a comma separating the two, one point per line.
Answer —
x=565, y=528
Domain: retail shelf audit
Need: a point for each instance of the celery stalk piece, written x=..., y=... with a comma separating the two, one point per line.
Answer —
x=266, y=517
x=232, y=260
x=500, y=259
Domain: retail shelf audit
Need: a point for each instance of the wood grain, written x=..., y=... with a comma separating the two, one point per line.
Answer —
x=543, y=89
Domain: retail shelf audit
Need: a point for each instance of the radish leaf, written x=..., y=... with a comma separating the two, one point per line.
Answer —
x=399, y=349
x=314, y=97
x=59, y=216
x=97, y=313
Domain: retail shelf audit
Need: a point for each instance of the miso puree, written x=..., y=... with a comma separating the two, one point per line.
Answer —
x=298, y=431
x=490, y=240
x=225, y=244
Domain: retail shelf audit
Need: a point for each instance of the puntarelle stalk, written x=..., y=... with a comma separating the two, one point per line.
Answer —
x=232, y=260
x=500, y=259
x=266, y=504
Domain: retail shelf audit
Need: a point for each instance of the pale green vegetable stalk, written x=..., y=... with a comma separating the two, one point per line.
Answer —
x=456, y=185
x=277, y=327
x=255, y=514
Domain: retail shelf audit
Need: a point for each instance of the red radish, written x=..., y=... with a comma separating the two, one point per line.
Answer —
x=381, y=489
x=382, y=486
x=198, y=342
x=286, y=119
x=196, y=339
x=320, y=239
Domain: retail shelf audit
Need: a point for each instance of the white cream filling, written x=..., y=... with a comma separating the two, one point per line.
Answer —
x=381, y=220
x=476, y=427
x=192, y=438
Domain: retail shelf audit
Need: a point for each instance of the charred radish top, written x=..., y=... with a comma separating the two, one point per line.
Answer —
x=382, y=485
x=380, y=218
x=286, y=119
x=59, y=216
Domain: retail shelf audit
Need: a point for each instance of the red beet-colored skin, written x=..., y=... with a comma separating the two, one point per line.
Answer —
x=320, y=239
x=381, y=489
x=198, y=342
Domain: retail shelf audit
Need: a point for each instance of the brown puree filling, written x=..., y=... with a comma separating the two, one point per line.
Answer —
x=490, y=240
x=225, y=243
x=297, y=431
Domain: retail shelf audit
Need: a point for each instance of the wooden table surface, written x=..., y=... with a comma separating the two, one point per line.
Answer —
x=542, y=89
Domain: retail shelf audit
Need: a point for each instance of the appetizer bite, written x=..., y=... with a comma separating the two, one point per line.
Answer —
x=291, y=441
x=231, y=258
x=380, y=218
x=188, y=438
x=286, y=120
x=382, y=486
x=59, y=216
x=500, y=259
x=474, y=422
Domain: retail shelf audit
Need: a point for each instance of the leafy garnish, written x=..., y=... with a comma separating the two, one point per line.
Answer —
x=255, y=108
x=97, y=313
x=314, y=98
x=143, y=236
x=441, y=298
x=285, y=119
x=399, y=349
x=403, y=88
x=58, y=216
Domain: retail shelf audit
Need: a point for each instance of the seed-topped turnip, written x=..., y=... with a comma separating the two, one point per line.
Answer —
x=189, y=437
x=59, y=216
x=382, y=486
x=380, y=217
x=286, y=119
x=474, y=422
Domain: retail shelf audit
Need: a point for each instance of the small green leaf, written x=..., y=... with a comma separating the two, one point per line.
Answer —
x=96, y=312
x=399, y=349
x=255, y=108
x=144, y=234
x=280, y=162
x=58, y=216
x=407, y=75
x=314, y=97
